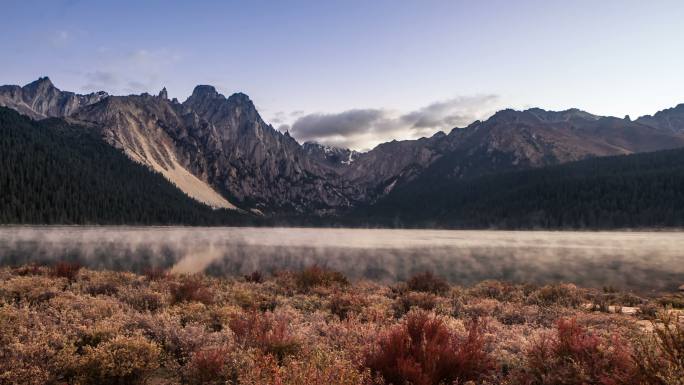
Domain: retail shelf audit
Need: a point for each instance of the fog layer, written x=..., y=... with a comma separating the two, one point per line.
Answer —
x=641, y=261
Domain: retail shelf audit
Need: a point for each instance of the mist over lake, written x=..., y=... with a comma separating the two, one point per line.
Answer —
x=643, y=261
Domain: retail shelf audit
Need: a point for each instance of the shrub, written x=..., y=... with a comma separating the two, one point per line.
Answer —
x=574, y=356
x=407, y=301
x=317, y=276
x=424, y=351
x=68, y=270
x=30, y=269
x=482, y=307
x=32, y=289
x=122, y=360
x=320, y=367
x=343, y=304
x=500, y=291
x=191, y=289
x=660, y=356
x=649, y=310
x=428, y=283
x=208, y=366
x=254, y=277
x=515, y=314
x=142, y=299
x=557, y=294
x=266, y=332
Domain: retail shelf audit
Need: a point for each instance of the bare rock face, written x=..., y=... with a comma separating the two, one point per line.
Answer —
x=41, y=99
x=334, y=157
x=250, y=160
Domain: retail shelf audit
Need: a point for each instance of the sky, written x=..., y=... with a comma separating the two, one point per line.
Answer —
x=357, y=73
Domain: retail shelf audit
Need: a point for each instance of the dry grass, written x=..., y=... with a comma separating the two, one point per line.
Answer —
x=69, y=325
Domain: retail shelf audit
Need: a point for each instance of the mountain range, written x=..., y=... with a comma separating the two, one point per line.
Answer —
x=220, y=152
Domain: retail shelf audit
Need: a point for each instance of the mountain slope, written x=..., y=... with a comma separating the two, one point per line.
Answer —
x=57, y=173
x=509, y=140
x=639, y=190
x=137, y=125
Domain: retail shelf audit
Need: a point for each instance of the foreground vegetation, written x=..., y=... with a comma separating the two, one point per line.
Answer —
x=65, y=324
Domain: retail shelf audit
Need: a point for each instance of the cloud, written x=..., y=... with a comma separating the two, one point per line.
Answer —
x=344, y=123
x=364, y=128
x=281, y=118
x=450, y=113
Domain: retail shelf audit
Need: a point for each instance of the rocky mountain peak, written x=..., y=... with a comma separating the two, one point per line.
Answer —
x=43, y=81
x=203, y=91
x=163, y=93
x=41, y=99
x=239, y=97
x=670, y=119
x=38, y=87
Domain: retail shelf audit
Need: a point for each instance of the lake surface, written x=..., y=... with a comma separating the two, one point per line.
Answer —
x=641, y=261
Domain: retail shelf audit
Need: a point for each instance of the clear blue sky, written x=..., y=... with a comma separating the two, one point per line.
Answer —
x=296, y=58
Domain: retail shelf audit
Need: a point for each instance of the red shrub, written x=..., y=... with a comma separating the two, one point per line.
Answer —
x=192, y=289
x=423, y=351
x=266, y=332
x=68, y=270
x=208, y=366
x=427, y=282
x=575, y=356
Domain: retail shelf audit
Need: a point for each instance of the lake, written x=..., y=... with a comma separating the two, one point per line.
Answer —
x=640, y=261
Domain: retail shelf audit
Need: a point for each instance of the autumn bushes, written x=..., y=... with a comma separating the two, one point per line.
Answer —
x=573, y=355
x=120, y=360
x=268, y=332
x=315, y=327
x=191, y=288
x=423, y=350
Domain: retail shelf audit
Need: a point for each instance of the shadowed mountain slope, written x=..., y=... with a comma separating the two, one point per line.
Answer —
x=56, y=173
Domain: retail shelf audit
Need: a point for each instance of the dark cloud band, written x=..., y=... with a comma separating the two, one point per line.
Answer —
x=362, y=128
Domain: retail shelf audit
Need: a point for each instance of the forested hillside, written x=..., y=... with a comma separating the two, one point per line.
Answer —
x=632, y=191
x=55, y=173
